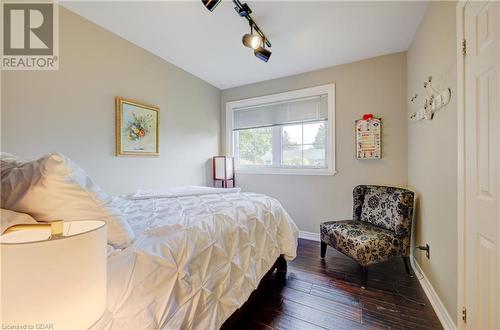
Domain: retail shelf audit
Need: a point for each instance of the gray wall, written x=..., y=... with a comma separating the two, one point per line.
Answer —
x=72, y=110
x=375, y=86
x=432, y=150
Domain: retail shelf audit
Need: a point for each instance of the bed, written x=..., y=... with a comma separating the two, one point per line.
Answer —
x=193, y=255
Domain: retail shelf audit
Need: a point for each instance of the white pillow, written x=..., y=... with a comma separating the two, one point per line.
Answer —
x=55, y=188
x=8, y=162
x=10, y=218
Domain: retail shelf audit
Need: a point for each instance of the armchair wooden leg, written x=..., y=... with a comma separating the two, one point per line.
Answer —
x=364, y=276
x=323, y=249
x=407, y=266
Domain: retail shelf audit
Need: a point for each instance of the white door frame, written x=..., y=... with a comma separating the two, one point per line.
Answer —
x=460, y=16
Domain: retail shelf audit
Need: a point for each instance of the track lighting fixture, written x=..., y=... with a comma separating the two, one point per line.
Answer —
x=211, y=4
x=252, y=40
x=262, y=53
x=243, y=10
x=257, y=41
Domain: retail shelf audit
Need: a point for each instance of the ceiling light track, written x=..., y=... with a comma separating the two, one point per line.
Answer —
x=244, y=11
x=257, y=42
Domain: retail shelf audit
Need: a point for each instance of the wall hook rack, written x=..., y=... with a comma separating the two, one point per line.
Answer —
x=435, y=101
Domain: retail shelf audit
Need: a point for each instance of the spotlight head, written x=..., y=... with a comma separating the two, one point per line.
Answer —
x=262, y=54
x=244, y=10
x=252, y=40
x=211, y=4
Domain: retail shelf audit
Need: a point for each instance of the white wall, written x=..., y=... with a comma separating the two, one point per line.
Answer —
x=375, y=86
x=432, y=150
x=72, y=110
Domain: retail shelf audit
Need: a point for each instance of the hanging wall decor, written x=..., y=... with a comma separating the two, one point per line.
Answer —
x=433, y=102
x=369, y=137
x=137, y=128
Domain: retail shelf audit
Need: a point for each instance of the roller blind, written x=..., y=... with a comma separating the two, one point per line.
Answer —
x=301, y=110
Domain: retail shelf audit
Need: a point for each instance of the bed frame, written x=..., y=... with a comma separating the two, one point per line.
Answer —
x=280, y=266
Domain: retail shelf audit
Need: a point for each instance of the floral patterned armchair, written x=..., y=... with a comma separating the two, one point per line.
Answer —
x=380, y=229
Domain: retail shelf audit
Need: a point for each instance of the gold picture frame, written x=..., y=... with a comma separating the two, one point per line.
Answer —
x=137, y=128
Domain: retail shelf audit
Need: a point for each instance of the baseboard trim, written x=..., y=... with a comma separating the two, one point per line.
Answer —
x=441, y=312
x=309, y=235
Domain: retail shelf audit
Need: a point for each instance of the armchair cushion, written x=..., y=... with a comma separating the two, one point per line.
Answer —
x=362, y=241
x=389, y=208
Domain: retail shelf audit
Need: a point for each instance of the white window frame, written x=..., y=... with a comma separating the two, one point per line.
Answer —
x=328, y=89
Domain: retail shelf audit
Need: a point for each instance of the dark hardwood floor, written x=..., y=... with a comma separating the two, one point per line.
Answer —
x=326, y=294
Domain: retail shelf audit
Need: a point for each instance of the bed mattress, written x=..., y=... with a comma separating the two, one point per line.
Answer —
x=196, y=258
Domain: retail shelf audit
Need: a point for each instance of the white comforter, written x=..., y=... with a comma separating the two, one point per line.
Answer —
x=196, y=257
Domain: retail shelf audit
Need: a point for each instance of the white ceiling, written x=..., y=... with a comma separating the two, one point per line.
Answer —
x=305, y=35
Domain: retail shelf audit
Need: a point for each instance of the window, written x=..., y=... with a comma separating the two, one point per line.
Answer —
x=287, y=133
x=304, y=145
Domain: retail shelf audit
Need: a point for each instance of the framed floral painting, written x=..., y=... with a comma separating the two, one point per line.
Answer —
x=137, y=128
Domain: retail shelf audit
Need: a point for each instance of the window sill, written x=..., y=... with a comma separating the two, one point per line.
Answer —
x=287, y=171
